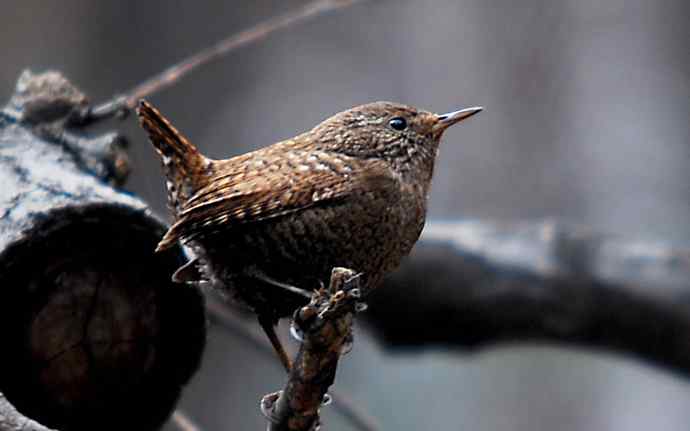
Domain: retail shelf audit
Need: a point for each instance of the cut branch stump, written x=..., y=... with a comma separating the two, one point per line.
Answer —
x=94, y=333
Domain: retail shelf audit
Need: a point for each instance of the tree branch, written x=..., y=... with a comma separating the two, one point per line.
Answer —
x=92, y=323
x=470, y=284
x=326, y=325
x=219, y=314
x=122, y=104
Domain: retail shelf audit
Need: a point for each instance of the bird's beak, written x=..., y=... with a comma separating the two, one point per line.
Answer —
x=444, y=121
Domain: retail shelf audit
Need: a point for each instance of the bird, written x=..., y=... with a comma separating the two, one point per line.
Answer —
x=267, y=227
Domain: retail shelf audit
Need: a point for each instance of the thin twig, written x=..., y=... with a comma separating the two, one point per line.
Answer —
x=124, y=103
x=222, y=316
x=183, y=422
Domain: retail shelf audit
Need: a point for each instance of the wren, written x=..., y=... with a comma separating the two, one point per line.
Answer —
x=267, y=227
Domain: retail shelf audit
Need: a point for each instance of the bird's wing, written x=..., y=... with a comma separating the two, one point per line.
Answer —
x=259, y=190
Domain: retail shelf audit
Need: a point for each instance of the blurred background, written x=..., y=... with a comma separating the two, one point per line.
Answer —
x=587, y=114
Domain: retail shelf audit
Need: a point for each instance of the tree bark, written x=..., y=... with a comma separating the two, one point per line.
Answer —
x=94, y=333
x=12, y=420
x=326, y=327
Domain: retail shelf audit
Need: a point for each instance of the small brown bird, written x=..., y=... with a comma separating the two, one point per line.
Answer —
x=268, y=226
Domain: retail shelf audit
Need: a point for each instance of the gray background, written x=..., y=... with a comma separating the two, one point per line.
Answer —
x=588, y=107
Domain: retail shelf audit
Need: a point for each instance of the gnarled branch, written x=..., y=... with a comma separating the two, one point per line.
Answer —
x=326, y=325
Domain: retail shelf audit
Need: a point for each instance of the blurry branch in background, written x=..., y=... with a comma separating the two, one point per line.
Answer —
x=120, y=105
x=221, y=315
x=470, y=284
x=325, y=325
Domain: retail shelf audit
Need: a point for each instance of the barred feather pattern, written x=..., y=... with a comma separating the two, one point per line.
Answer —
x=350, y=192
x=183, y=165
x=297, y=181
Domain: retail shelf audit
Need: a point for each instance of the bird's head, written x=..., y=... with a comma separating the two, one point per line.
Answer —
x=408, y=138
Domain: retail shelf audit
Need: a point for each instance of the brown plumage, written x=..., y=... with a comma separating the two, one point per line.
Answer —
x=351, y=192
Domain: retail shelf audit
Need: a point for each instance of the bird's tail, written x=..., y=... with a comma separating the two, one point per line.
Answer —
x=183, y=165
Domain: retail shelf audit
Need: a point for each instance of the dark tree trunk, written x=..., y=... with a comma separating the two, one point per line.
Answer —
x=470, y=284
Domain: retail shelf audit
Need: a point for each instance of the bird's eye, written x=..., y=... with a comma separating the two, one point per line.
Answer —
x=398, y=123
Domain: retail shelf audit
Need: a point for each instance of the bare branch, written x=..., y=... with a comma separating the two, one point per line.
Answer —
x=326, y=324
x=539, y=281
x=222, y=316
x=122, y=104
